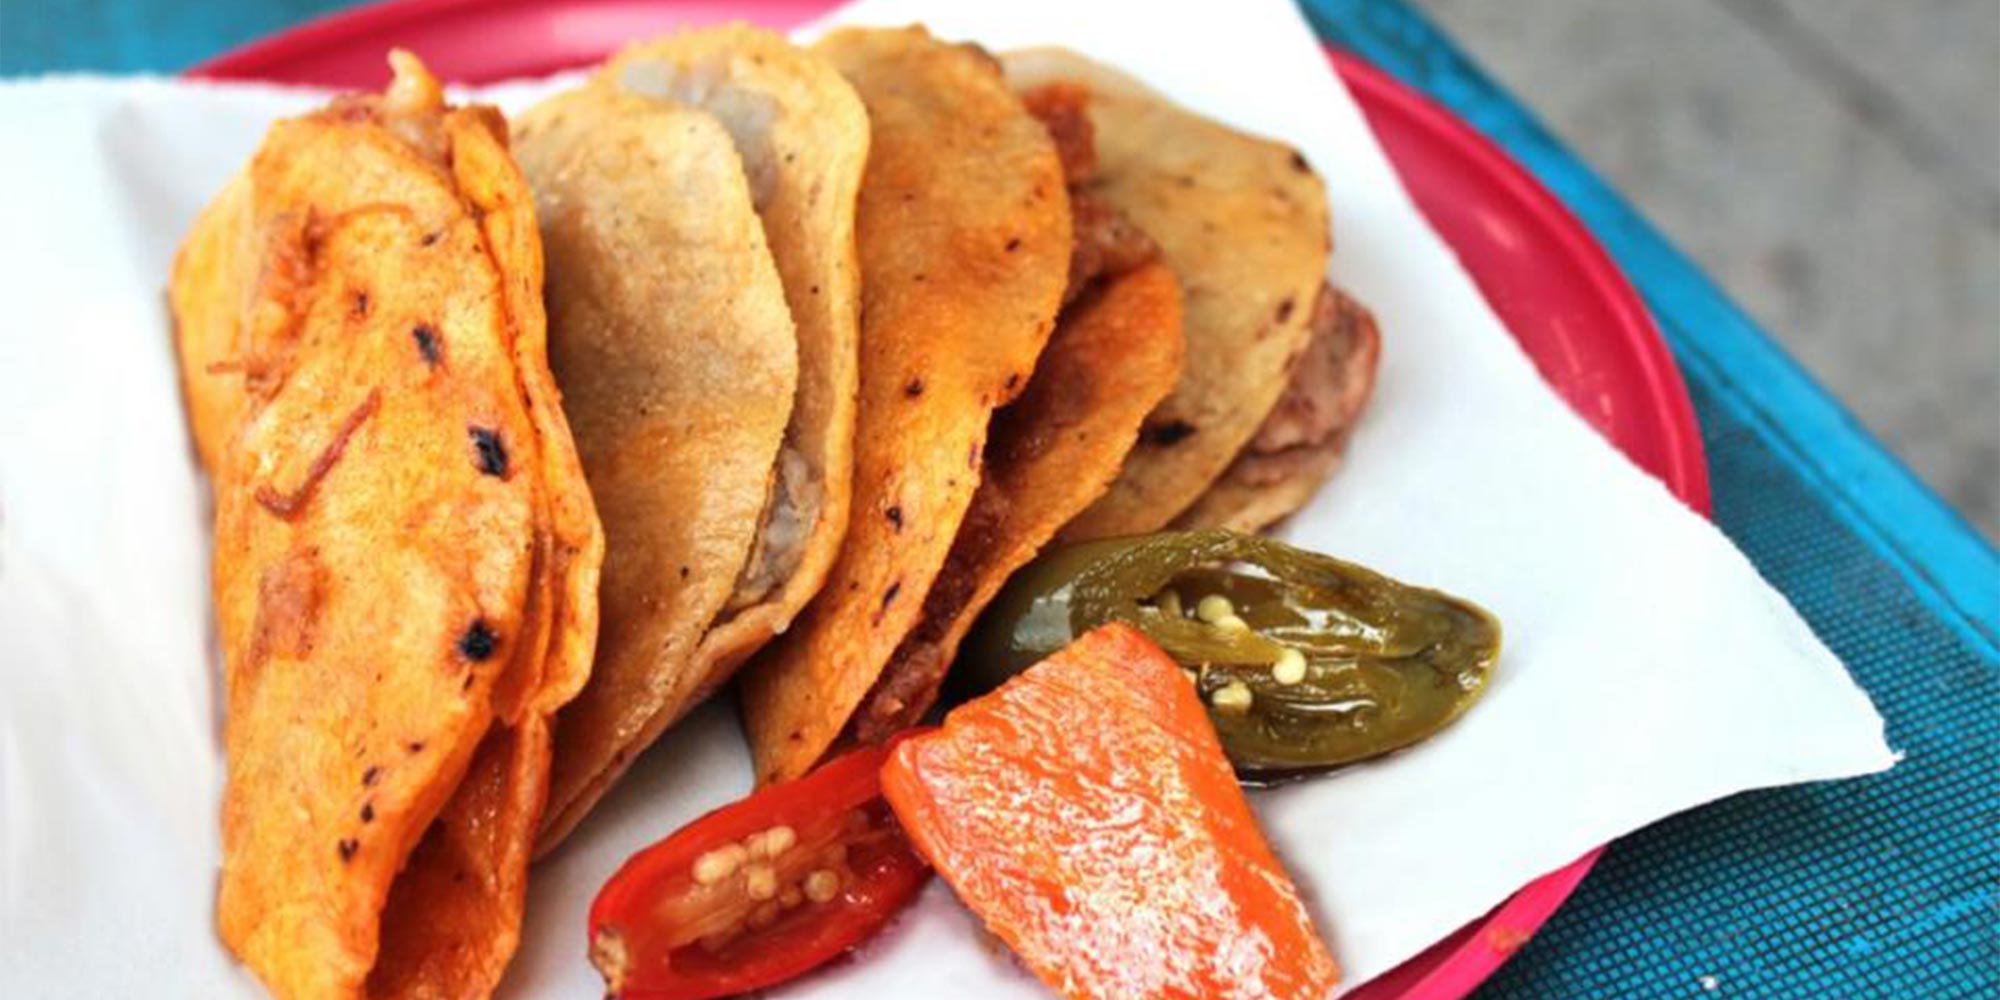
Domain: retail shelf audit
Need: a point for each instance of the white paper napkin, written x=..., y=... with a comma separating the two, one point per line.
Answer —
x=1648, y=668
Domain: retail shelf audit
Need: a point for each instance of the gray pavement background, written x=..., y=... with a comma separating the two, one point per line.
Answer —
x=1835, y=164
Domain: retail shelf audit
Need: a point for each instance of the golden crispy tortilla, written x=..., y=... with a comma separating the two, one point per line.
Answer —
x=573, y=544
x=206, y=293
x=676, y=354
x=1115, y=354
x=1243, y=223
x=359, y=326
x=803, y=136
x=1304, y=436
x=453, y=917
x=964, y=239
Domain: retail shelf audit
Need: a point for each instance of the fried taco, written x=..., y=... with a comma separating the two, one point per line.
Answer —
x=1300, y=442
x=1115, y=354
x=803, y=135
x=1242, y=221
x=1055, y=450
x=963, y=231
x=405, y=550
x=697, y=201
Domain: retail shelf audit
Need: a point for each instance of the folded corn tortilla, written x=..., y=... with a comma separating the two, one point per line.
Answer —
x=963, y=232
x=405, y=552
x=1243, y=223
x=678, y=362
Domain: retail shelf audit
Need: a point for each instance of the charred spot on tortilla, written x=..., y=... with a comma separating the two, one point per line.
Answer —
x=478, y=642
x=1168, y=434
x=369, y=776
x=427, y=343
x=347, y=846
x=491, y=449
x=367, y=812
x=915, y=387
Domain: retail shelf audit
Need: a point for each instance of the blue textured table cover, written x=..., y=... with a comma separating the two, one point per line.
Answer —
x=1878, y=887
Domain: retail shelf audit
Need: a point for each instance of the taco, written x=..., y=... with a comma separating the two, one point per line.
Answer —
x=1243, y=223
x=697, y=201
x=405, y=551
x=1300, y=442
x=963, y=230
x=1115, y=355
x=803, y=136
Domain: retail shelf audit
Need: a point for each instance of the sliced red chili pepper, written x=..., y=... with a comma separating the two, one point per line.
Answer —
x=759, y=891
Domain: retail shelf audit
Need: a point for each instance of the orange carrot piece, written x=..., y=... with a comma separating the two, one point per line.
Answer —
x=1086, y=812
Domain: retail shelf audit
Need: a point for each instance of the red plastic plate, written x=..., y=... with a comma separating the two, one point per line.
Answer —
x=1553, y=287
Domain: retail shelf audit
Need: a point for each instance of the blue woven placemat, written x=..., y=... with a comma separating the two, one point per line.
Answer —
x=1879, y=887
x=1876, y=887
